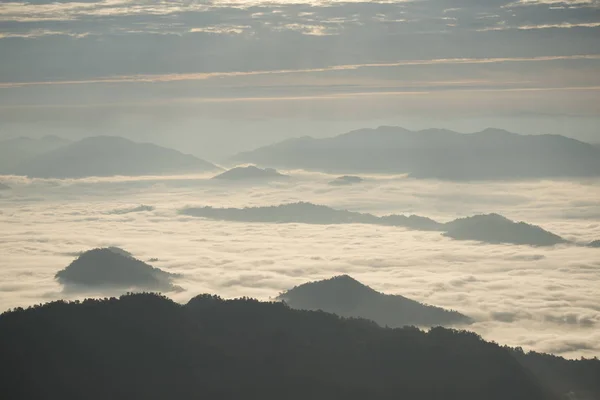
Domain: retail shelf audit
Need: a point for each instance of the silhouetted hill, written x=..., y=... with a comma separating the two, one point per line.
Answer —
x=595, y=243
x=110, y=156
x=250, y=173
x=494, y=228
x=148, y=347
x=16, y=151
x=344, y=296
x=113, y=267
x=308, y=213
x=491, y=228
x=346, y=180
x=434, y=153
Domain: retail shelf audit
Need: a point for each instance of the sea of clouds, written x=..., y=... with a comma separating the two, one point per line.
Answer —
x=544, y=299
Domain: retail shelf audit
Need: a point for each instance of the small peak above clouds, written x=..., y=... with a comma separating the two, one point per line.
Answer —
x=494, y=228
x=113, y=267
x=250, y=173
x=347, y=297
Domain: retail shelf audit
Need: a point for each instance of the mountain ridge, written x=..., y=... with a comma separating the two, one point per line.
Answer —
x=213, y=348
x=345, y=296
x=487, y=228
x=250, y=173
x=111, y=156
x=491, y=154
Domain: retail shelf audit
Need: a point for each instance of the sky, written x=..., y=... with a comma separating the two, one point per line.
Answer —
x=214, y=78
x=542, y=298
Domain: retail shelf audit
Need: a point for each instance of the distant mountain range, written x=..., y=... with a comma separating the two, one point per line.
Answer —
x=250, y=173
x=106, y=156
x=435, y=153
x=146, y=346
x=490, y=228
x=20, y=150
x=345, y=296
x=113, y=268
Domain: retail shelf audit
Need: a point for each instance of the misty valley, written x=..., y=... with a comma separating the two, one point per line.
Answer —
x=133, y=270
x=300, y=199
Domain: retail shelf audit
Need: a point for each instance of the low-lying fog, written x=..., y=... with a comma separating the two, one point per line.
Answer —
x=538, y=298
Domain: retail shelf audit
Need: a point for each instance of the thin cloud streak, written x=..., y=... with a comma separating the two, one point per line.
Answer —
x=211, y=75
x=563, y=25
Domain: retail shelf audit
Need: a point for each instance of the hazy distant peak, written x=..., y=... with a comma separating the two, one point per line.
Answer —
x=491, y=217
x=250, y=172
x=111, y=156
x=497, y=131
x=436, y=154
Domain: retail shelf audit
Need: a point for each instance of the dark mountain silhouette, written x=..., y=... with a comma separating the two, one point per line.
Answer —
x=16, y=151
x=308, y=213
x=110, y=156
x=595, y=243
x=494, y=228
x=113, y=267
x=149, y=347
x=250, y=173
x=346, y=297
x=4, y=187
x=491, y=228
x=435, y=153
x=346, y=180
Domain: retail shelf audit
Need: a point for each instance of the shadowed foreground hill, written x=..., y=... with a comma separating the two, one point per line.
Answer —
x=250, y=173
x=490, y=228
x=148, y=347
x=435, y=153
x=110, y=156
x=345, y=296
x=113, y=267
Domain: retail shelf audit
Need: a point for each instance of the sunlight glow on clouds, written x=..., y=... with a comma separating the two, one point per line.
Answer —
x=537, y=298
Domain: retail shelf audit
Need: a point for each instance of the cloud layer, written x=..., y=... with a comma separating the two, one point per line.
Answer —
x=543, y=299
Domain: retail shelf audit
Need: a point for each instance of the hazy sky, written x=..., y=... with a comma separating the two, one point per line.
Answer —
x=214, y=78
